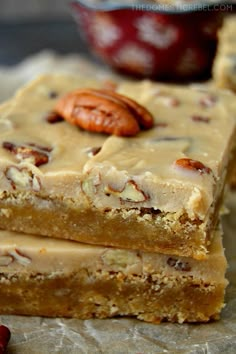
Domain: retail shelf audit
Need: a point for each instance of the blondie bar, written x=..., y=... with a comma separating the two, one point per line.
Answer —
x=159, y=191
x=51, y=277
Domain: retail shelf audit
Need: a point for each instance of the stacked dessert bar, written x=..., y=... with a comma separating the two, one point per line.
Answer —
x=131, y=223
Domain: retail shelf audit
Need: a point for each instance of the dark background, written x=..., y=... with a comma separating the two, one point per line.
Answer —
x=19, y=39
x=28, y=26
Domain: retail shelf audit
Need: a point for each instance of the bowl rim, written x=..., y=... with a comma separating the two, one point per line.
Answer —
x=196, y=6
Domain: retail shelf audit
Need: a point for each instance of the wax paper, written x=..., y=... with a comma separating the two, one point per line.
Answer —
x=117, y=336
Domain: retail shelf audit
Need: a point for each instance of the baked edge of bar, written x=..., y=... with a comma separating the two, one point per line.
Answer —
x=153, y=298
x=123, y=228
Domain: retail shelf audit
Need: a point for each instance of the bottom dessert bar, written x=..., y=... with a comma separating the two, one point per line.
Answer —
x=159, y=191
x=57, y=278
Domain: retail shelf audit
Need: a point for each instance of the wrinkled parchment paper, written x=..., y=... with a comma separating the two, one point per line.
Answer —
x=117, y=336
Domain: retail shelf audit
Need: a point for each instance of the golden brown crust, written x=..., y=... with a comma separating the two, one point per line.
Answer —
x=151, y=230
x=84, y=295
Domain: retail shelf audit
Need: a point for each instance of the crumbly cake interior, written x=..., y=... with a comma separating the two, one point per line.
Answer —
x=166, y=233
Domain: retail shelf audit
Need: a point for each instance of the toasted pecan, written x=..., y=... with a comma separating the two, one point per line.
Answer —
x=193, y=165
x=142, y=115
x=38, y=154
x=104, y=111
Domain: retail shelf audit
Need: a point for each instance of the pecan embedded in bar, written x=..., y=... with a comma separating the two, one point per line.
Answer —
x=224, y=66
x=104, y=111
x=38, y=154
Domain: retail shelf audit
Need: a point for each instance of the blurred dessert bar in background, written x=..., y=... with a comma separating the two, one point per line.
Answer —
x=224, y=68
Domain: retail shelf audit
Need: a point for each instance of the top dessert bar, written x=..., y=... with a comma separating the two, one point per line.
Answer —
x=159, y=191
x=224, y=68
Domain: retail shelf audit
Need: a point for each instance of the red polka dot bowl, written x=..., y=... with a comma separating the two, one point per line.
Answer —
x=152, y=40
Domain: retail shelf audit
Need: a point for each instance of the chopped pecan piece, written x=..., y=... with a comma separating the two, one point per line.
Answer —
x=53, y=118
x=9, y=146
x=22, y=178
x=93, y=151
x=53, y=94
x=131, y=192
x=40, y=147
x=208, y=101
x=104, y=111
x=171, y=101
x=200, y=119
x=143, y=117
x=193, y=165
x=178, y=265
x=19, y=257
x=38, y=155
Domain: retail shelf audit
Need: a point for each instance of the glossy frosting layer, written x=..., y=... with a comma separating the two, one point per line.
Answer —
x=113, y=172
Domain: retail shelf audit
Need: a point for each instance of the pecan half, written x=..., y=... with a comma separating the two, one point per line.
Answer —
x=193, y=165
x=38, y=155
x=104, y=111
